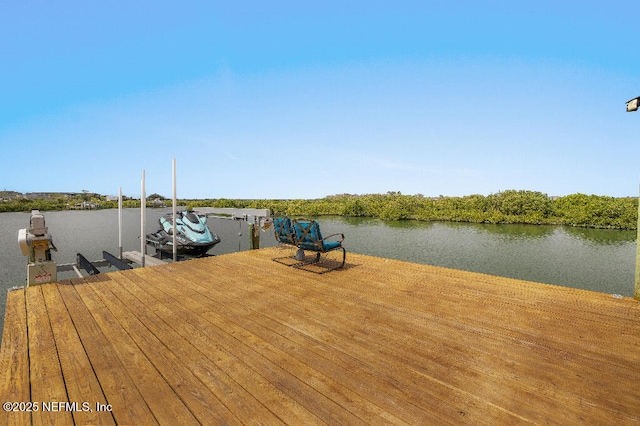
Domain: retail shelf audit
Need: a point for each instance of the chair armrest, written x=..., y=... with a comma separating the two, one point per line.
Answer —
x=333, y=235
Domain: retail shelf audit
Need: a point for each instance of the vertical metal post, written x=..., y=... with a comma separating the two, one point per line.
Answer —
x=143, y=207
x=636, y=292
x=174, y=211
x=632, y=105
x=120, y=220
x=251, y=237
x=254, y=234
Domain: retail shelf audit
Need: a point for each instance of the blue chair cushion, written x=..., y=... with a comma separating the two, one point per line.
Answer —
x=330, y=245
x=308, y=235
x=310, y=238
x=283, y=230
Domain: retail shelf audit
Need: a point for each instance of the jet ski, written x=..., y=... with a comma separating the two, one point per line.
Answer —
x=192, y=238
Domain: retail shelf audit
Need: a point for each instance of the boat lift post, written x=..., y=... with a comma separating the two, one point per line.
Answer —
x=174, y=211
x=120, y=222
x=143, y=205
x=636, y=287
x=633, y=105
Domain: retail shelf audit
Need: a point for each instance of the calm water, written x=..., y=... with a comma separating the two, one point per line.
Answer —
x=598, y=260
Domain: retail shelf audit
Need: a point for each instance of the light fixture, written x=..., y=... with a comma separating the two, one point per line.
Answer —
x=632, y=105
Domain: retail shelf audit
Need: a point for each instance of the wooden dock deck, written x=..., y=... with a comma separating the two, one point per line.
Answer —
x=240, y=339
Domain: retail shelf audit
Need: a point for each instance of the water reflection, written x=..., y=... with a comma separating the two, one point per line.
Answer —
x=602, y=236
x=591, y=259
x=509, y=231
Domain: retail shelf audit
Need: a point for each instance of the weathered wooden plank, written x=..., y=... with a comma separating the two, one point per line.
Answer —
x=587, y=336
x=233, y=322
x=222, y=316
x=44, y=365
x=214, y=366
x=477, y=360
x=559, y=356
x=127, y=404
x=172, y=358
x=379, y=342
x=589, y=308
x=14, y=359
x=364, y=375
x=549, y=349
x=82, y=386
x=166, y=406
x=544, y=353
x=202, y=329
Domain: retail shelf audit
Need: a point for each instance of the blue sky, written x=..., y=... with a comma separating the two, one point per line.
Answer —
x=300, y=100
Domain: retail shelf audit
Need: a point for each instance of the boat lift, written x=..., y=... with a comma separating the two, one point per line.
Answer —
x=37, y=243
x=258, y=219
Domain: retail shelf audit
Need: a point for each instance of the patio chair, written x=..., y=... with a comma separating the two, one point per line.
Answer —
x=308, y=237
x=285, y=236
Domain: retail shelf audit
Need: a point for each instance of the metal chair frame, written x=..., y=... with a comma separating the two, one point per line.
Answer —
x=308, y=237
x=285, y=236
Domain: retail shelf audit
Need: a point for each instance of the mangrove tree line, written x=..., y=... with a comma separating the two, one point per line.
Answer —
x=512, y=206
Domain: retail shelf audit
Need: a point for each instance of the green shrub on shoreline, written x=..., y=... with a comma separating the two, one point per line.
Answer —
x=525, y=207
x=511, y=206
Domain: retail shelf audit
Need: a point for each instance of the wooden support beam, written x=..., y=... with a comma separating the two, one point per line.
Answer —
x=636, y=291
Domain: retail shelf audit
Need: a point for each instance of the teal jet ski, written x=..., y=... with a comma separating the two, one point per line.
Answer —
x=193, y=237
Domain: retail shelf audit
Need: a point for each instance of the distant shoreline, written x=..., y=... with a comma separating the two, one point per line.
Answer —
x=508, y=207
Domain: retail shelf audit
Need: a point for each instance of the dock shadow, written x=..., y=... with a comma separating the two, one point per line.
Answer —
x=327, y=267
